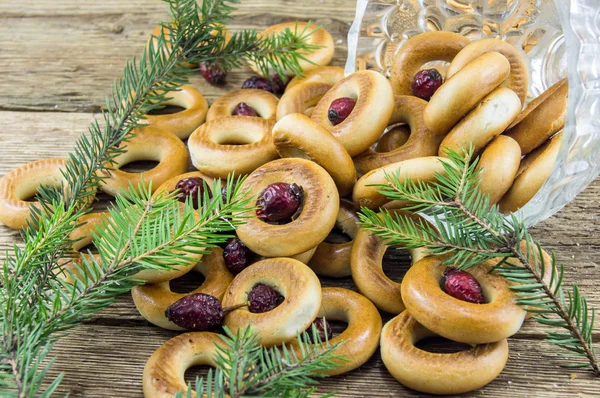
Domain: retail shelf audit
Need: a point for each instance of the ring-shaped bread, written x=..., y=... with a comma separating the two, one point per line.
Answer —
x=459, y=94
x=542, y=118
x=297, y=283
x=437, y=373
x=366, y=263
x=23, y=183
x=394, y=138
x=147, y=144
x=323, y=74
x=420, y=50
x=418, y=169
x=153, y=300
x=370, y=116
x=496, y=319
x=360, y=339
x=532, y=174
x=421, y=142
x=517, y=81
x=333, y=259
x=183, y=123
x=486, y=121
x=320, y=37
x=319, y=209
x=297, y=135
x=263, y=102
x=164, y=373
x=301, y=99
x=230, y=144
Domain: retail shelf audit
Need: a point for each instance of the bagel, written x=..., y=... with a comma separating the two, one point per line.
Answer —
x=308, y=61
x=301, y=99
x=329, y=75
x=419, y=169
x=366, y=263
x=311, y=227
x=147, y=144
x=370, y=116
x=420, y=50
x=297, y=283
x=435, y=373
x=360, y=340
x=420, y=143
x=517, y=81
x=297, y=135
x=542, y=118
x=263, y=102
x=535, y=170
x=487, y=120
x=23, y=183
x=165, y=370
x=498, y=167
x=237, y=144
x=183, y=123
x=394, y=138
x=153, y=300
x=459, y=94
x=458, y=320
x=333, y=259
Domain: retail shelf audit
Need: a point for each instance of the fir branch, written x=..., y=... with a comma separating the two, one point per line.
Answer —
x=471, y=231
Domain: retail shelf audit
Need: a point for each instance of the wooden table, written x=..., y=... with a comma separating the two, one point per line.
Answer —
x=57, y=62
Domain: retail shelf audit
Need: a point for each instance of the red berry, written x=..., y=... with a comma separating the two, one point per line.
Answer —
x=263, y=298
x=323, y=328
x=279, y=85
x=212, y=73
x=279, y=202
x=462, y=285
x=237, y=256
x=243, y=109
x=198, y=312
x=426, y=82
x=194, y=187
x=340, y=109
x=259, y=83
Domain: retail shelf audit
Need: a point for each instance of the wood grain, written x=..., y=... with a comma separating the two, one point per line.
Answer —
x=58, y=64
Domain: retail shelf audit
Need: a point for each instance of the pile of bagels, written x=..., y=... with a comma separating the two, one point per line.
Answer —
x=291, y=140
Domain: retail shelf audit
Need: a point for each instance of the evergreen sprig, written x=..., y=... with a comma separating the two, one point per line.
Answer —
x=470, y=231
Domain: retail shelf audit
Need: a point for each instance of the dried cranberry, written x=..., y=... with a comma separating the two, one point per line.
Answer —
x=243, y=109
x=462, y=285
x=237, y=256
x=263, y=298
x=340, y=109
x=224, y=191
x=196, y=312
x=279, y=85
x=259, y=83
x=212, y=73
x=194, y=187
x=323, y=328
x=426, y=82
x=279, y=202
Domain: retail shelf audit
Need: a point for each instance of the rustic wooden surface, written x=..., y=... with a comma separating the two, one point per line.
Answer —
x=57, y=62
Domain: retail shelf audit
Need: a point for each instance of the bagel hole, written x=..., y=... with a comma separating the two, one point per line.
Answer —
x=337, y=328
x=91, y=247
x=441, y=345
x=187, y=283
x=401, y=133
x=195, y=371
x=441, y=66
x=337, y=236
x=167, y=110
x=396, y=262
x=237, y=136
x=139, y=166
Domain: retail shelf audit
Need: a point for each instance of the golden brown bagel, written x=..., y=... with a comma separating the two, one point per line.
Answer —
x=537, y=168
x=153, y=300
x=421, y=142
x=165, y=370
x=370, y=116
x=543, y=117
x=22, y=183
x=394, y=138
x=183, y=123
x=311, y=227
x=301, y=99
x=263, y=102
x=418, y=169
x=147, y=144
x=333, y=259
x=487, y=120
x=498, y=167
x=517, y=81
x=420, y=50
x=459, y=94
x=367, y=268
x=297, y=135
x=498, y=318
x=435, y=373
x=360, y=339
x=323, y=74
x=237, y=144
x=297, y=283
